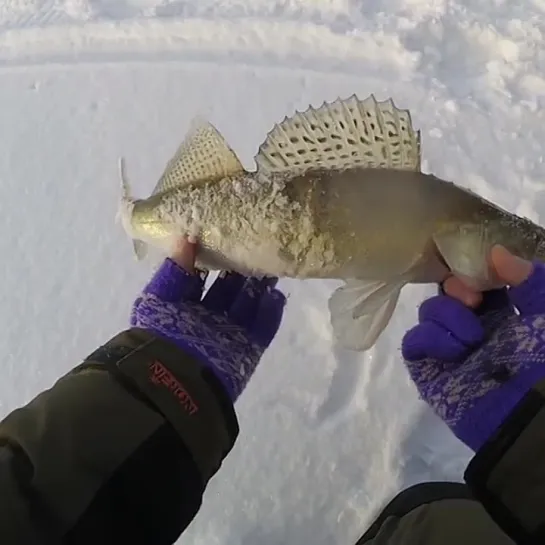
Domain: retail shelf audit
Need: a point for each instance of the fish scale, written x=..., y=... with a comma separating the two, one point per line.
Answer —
x=338, y=193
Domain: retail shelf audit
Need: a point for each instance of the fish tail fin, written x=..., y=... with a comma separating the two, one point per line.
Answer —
x=360, y=310
x=125, y=211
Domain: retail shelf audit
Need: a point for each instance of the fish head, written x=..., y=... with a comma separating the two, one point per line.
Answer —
x=159, y=220
x=125, y=214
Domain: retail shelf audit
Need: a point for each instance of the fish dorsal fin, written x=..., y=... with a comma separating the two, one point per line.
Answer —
x=203, y=156
x=342, y=134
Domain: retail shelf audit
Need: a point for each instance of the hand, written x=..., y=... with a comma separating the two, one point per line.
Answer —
x=227, y=330
x=474, y=366
x=184, y=253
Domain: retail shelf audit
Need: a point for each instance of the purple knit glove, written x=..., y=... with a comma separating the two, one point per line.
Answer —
x=473, y=368
x=227, y=330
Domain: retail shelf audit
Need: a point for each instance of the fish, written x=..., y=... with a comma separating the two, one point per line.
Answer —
x=338, y=193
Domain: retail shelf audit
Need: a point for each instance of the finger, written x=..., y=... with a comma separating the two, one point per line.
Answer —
x=509, y=268
x=491, y=306
x=184, y=254
x=223, y=291
x=431, y=340
x=455, y=287
x=454, y=317
x=506, y=268
x=245, y=306
x=529, y=297
x=268, y=317
x=172, y=283
x=527, y=280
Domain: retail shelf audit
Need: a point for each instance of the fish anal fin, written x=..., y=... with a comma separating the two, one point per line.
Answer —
x=360, y=310
x=203, y=156
x=464, y=248
x=346, y=133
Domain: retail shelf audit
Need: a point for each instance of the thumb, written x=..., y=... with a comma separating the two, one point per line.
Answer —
x=527, y=281
x=184, y=253
x=509, y=269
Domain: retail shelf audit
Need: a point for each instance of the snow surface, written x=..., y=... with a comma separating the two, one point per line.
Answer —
x=326, y=436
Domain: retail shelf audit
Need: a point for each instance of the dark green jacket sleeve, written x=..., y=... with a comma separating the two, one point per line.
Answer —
x=508, y=474
x=119, y=450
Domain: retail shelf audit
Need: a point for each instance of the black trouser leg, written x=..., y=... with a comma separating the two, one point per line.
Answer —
x=413, y=497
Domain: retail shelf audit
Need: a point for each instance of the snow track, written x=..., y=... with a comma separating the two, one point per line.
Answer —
x=247, y=41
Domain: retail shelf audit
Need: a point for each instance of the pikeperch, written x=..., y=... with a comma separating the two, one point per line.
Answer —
x=338, y=193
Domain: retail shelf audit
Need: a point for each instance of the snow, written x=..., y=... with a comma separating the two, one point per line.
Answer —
x=327, y=437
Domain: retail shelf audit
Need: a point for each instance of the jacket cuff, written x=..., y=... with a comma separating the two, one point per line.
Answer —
x=71, y=438
x=507, y=475
x=186, y=393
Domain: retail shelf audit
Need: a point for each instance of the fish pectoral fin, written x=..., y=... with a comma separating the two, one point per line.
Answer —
x=346, y=133
x=140, y=249
x=464, y=249
x=360, y=310
x=203, y=156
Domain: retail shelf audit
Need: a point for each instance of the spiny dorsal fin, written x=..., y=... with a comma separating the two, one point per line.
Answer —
x=203, y=156
x=342, y=134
